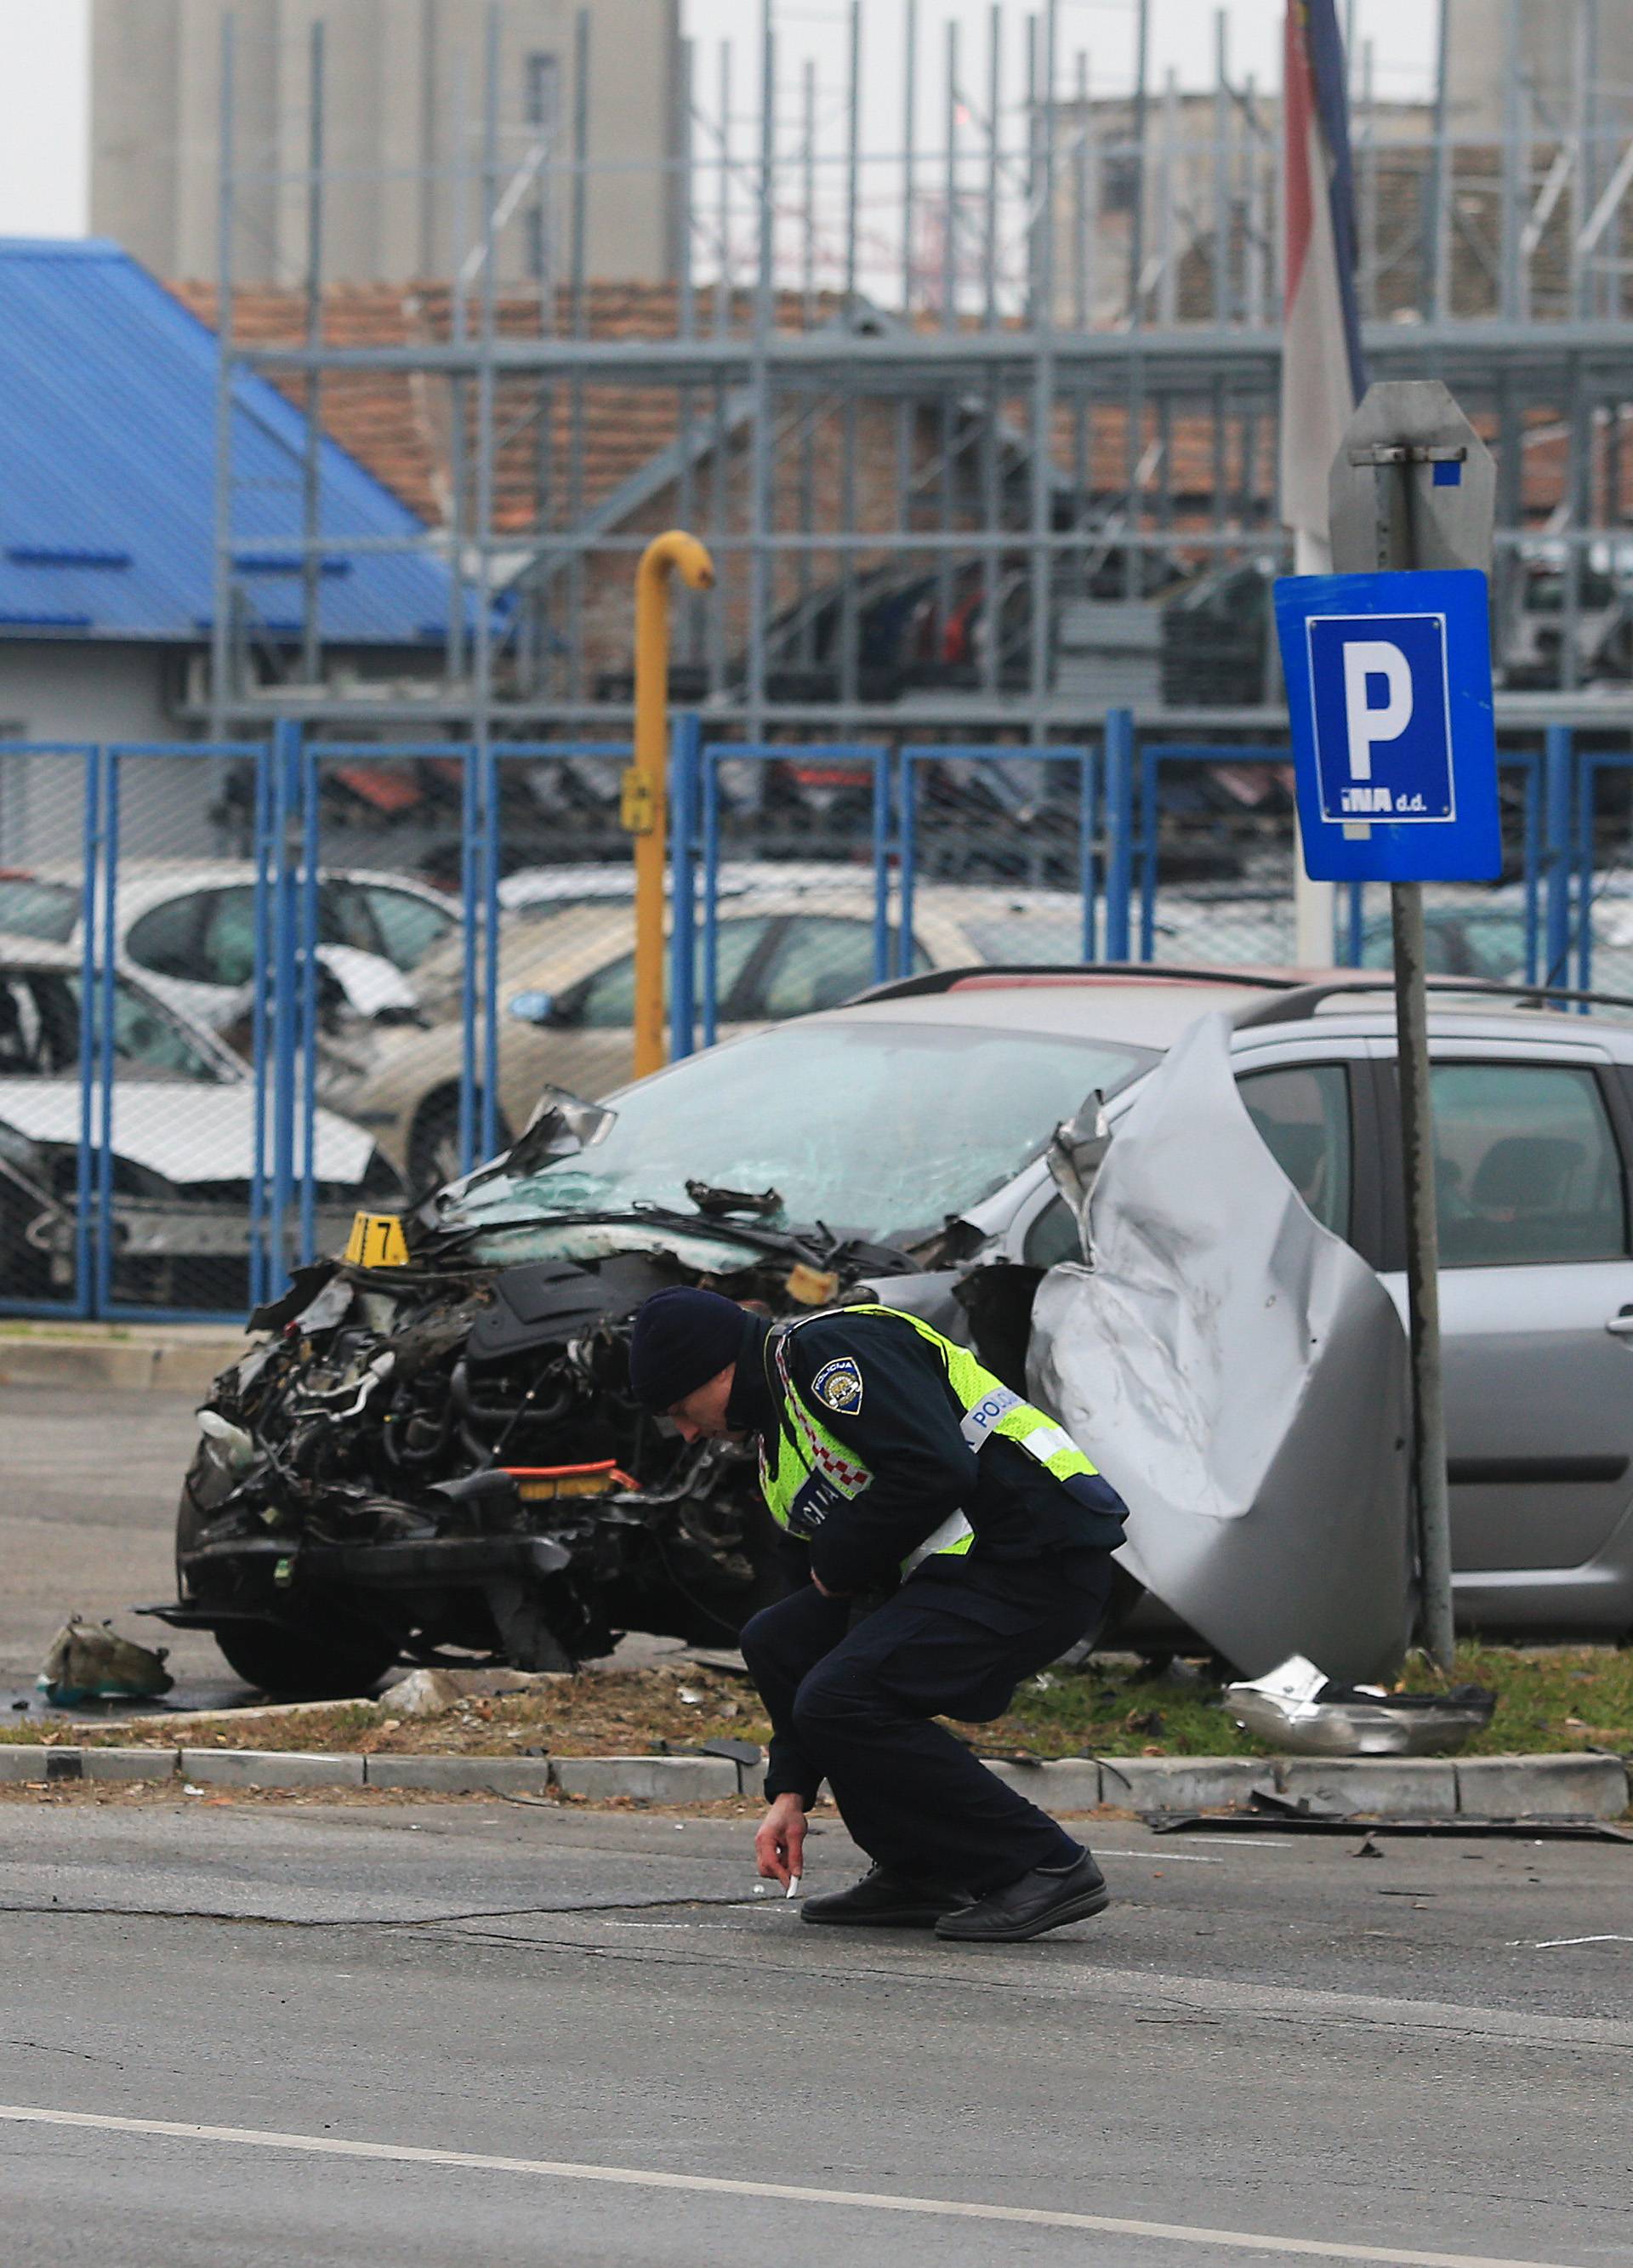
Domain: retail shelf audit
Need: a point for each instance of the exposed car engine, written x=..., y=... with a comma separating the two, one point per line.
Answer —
x=442, y=1462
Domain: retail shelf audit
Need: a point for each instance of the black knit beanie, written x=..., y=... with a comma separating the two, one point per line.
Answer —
x=682, y=1339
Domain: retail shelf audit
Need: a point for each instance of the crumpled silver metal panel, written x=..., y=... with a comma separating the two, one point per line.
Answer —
x=1240, y=1375
x=1436, y=1727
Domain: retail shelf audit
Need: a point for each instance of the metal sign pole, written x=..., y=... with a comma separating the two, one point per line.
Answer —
x=1395, y=547
x=1423, y=1273
x=1413, y=490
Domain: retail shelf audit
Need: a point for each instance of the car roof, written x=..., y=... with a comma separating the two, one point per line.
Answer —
x=1153, y=1008
x=569, y=941
x=34, y=952
x=1146, y=1012
x=153, y=880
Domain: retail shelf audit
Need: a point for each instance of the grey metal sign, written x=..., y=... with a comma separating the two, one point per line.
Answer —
x=1413, y=485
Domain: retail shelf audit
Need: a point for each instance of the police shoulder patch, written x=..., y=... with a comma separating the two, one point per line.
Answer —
x=839, y=1384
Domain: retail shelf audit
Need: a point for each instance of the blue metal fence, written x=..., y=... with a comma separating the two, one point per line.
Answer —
x=1094, y=837
x=912, y=762
x=872, y=767
x=1600, y=863
x=121, y=766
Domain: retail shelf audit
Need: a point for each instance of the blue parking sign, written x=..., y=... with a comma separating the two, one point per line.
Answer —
x=1389, y=701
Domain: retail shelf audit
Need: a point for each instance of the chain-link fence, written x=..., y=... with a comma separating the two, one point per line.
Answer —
x=1214, y=857
x=51, y=802
x=793, y=906
x=1215, y=871
x=999, y=855
x=1599, y=951
x=248, y=991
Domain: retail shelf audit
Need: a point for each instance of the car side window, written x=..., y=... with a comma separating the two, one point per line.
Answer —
x=164, y=939
x=24, y=1044
x=148, y=1042
x=1302, y=1113
x=1527, y=1165
x=48, y=910
x=606, y=1001
x=1053, y=1236
x=408, y=926
x=227, y=950
x=345, y=916
x=821, y=960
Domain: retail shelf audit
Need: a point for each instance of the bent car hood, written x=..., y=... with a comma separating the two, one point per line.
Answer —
x=182, y=1128
x=1240, y=1375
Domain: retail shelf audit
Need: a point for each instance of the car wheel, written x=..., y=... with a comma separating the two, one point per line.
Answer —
x=434, y=1143
x=293, y=1666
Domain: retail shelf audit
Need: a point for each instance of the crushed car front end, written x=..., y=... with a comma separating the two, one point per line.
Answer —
x=444, y=1459
x=441, y=1458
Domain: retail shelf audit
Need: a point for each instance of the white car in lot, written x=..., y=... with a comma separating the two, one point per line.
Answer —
x=186, y=929
x=183, y=1146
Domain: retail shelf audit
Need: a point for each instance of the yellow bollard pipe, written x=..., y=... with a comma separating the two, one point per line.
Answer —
x=645, y=787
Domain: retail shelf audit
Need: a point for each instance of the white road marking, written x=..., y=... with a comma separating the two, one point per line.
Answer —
x=1161, y=1857
x=402, y=2153
x=1238, y=1842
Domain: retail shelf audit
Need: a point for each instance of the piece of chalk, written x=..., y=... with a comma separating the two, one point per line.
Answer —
x=793, y=1888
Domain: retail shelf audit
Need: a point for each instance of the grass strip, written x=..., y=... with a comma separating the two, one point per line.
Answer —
x=1553, y=1700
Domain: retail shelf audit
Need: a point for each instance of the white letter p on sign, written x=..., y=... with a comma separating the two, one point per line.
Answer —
x=1364, y=660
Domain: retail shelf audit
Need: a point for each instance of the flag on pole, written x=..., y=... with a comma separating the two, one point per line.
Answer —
x=1323, y=374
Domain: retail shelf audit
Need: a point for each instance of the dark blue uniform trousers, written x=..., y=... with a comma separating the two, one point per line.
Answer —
x=853, y=1706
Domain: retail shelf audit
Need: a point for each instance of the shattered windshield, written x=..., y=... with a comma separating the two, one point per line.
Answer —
x=879, y=1129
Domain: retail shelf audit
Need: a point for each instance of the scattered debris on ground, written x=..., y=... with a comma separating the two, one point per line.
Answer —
x=1551, y=1701
x=90, y=1662
x=1302, y=1712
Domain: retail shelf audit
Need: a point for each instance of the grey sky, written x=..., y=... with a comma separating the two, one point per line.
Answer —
x=43, y=100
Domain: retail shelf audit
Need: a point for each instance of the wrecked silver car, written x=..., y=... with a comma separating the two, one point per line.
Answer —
x=442, y=1460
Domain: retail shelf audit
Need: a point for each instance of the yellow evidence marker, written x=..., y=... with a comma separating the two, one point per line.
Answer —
x=377, y=1241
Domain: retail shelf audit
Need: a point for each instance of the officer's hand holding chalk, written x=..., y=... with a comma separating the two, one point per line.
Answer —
x=780, y=1844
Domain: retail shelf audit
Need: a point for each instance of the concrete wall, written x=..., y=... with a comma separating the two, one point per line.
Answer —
x=403, y=84
x=82, y=692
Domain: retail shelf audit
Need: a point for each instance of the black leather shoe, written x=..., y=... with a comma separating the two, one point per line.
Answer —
x=881, y=1900
x=1046, y=1898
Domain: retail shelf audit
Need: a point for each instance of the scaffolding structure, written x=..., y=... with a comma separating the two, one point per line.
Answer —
x=979, y=428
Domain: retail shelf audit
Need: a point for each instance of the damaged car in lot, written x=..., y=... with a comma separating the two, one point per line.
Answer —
x=181, y=1117
x=440, y=1458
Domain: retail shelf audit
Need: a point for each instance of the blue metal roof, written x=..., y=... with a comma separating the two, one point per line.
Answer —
x=108, y=487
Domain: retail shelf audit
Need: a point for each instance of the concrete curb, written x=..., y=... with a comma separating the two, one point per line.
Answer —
x=1375, y=1787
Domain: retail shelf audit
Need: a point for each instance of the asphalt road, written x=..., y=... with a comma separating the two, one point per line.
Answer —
x=89, y=1484
x=88, y=1490
x=491, y=2034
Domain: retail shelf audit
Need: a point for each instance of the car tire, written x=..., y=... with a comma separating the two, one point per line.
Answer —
x=292, y=1665
x=434, y=1140
x=289, y=1664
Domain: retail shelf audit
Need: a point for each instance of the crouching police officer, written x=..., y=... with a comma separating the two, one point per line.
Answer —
x=902, y=1465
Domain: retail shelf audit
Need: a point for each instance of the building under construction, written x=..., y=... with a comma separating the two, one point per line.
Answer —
x=980, y=426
